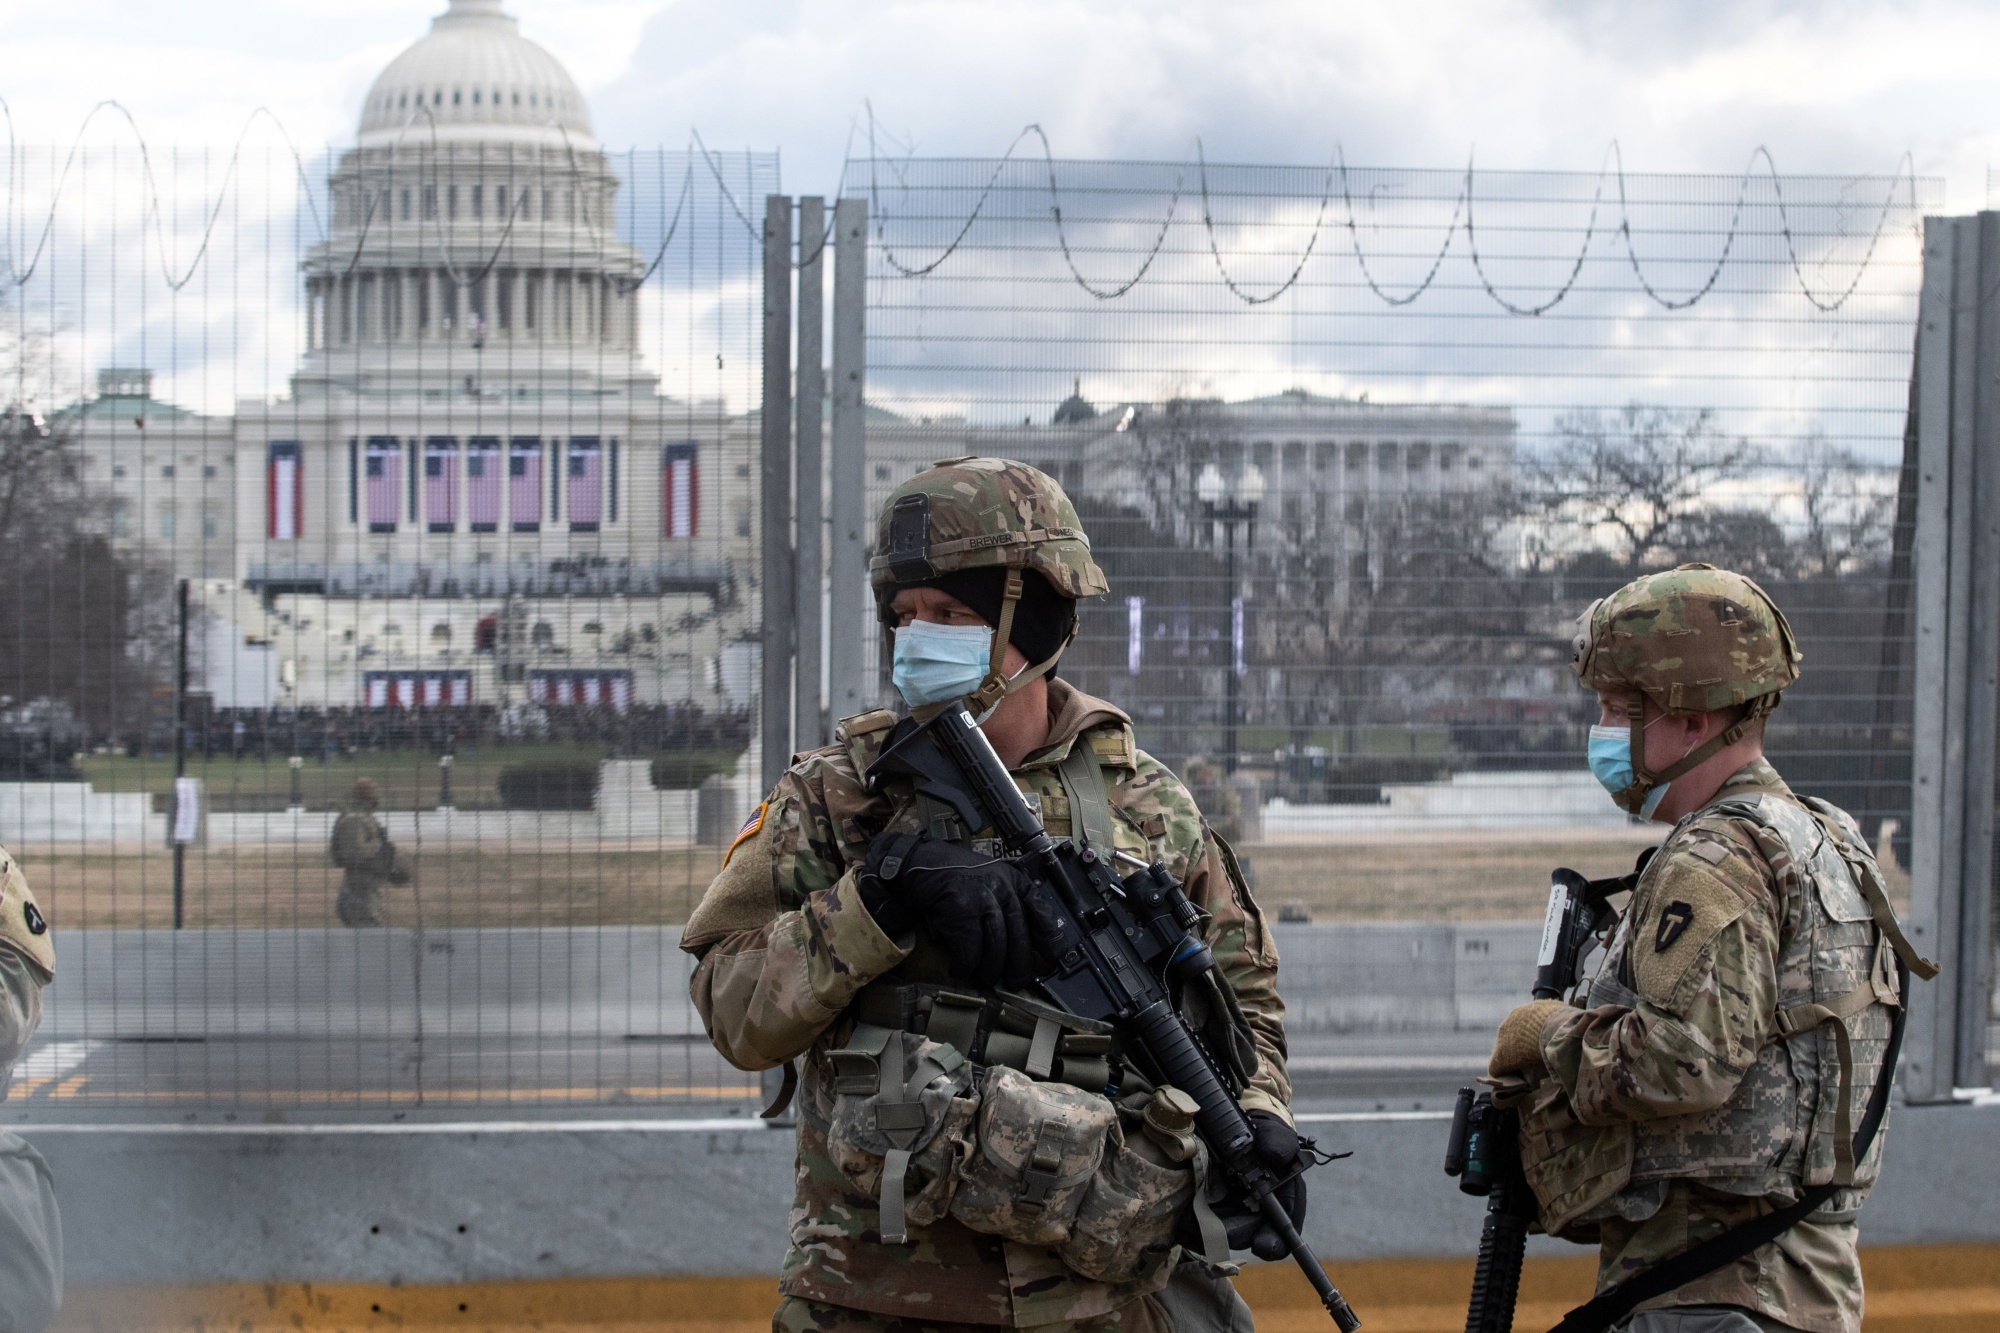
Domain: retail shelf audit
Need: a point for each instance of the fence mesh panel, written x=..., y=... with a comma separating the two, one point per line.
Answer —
x=450, y=448
x=455, y=453
x=1357, y=445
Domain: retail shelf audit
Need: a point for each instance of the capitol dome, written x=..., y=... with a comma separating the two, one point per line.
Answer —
x=480, y=82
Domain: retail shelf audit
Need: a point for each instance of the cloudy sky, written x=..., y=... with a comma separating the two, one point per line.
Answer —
x=1837, y=86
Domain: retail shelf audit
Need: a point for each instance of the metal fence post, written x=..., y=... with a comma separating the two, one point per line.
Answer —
x=850, y=675
x=809, y=724
x=1957, y=652
x=775, y=474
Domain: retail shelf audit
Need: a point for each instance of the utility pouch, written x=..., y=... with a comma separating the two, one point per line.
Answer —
x=1572, y=1167
x=1039, y=1144
x=903, y=1109
x=1124, y=1229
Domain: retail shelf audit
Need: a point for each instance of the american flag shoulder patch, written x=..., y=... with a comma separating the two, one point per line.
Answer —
x=750, y=829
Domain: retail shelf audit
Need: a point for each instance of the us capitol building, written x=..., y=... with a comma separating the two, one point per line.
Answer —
x=476, y=494
x=474, y=491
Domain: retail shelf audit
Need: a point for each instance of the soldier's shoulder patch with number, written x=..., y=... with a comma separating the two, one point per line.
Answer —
x=22, y=924
x=1687, y=903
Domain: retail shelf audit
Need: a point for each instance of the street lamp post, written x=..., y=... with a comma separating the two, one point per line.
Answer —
x=1230, y=503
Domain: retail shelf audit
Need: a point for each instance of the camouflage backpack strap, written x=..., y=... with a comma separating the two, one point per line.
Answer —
x=1868, y=876
x=1800, y=1018
x=1089, y=800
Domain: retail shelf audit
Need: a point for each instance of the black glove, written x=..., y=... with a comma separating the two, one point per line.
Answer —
x=1278, y=1145
x=970, y=904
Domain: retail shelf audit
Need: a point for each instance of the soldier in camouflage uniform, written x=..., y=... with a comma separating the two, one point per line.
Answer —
x=1704, y=1079
x=360, y=846
x=30, y=1223
x=800, y=942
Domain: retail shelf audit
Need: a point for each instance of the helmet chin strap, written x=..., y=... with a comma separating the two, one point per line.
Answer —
x=1633, y=799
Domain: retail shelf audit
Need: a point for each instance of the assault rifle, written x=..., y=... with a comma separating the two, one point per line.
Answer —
x=1117, y=946
x=1484, y=1152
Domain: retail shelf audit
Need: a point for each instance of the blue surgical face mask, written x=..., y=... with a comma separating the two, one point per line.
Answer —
x=1610, y=756
x=936, y=663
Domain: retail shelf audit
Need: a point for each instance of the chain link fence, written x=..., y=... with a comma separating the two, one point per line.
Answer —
x=1356, y=445
x=382, y=624
x=456, y=453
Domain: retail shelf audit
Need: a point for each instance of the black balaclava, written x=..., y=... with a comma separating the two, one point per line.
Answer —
x=1043, y=617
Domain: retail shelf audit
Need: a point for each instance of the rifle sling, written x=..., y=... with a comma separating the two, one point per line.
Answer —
x=1606, y=1309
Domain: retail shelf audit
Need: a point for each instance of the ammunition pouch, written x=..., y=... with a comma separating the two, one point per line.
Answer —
x=1124, y=1228
x=1022, y=1144
x=1037, y=1147
x=902, y=1108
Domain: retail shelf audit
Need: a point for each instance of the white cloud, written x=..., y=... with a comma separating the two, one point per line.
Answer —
x=1547, y=83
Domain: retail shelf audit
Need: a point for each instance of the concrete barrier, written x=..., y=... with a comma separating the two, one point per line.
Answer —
x=75, y=812
x=604, y=981
x=632, y=980
x=1464, y=803
x=448, y=1204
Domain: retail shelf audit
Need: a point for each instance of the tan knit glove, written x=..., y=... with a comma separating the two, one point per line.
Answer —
x=1519, y=1043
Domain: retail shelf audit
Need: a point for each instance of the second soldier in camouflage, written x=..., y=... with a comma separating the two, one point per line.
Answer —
x=1705, y=1080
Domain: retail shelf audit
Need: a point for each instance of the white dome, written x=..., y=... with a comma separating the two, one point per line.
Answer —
x=482, y=82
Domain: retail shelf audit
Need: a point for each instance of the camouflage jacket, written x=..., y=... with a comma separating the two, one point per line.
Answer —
x=360, y=846
x=784, y=944
x=1689, y=1108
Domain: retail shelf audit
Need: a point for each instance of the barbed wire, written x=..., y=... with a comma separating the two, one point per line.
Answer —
x=1208, y=225
x=21, y=267
x=18, y=276
x=1463, y=216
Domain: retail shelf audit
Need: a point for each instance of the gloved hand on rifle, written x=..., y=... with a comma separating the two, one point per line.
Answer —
x=971, y=904
x=1278, y=1145
x=1517, y=1047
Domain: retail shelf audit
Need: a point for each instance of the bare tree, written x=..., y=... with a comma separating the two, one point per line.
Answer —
x=1645, y=476
x=69, y=603
x=1849, y=508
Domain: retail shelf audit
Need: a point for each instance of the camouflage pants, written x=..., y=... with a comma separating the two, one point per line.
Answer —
x=1701, y=1319
x=801, y=1316
x=1192, y=1302
x=360, y=901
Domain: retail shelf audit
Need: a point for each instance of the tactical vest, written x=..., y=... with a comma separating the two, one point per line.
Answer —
x=902, y=1077
x=1790, y=1122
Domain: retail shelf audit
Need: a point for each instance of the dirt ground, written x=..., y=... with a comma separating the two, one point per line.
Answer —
x=1460, y=879
x=277, y=887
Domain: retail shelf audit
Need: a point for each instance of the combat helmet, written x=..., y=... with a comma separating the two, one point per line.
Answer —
x=1694, y=639
x=974, y=513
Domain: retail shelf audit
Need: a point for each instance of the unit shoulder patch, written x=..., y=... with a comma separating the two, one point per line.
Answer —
x=22, y=924
x=1688, y=905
